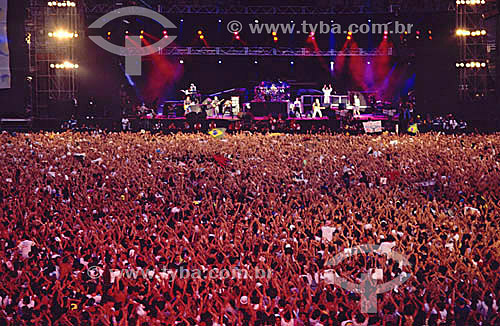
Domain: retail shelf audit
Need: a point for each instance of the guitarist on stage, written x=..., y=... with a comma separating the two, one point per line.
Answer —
x=317, y=109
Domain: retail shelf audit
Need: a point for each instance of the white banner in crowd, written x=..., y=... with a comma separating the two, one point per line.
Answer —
x=4, y=47
x=372, y=126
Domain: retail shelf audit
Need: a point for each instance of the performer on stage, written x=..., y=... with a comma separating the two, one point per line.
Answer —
x=327, y=91
x=317, y=109
x=297, y=108
x=357, y=104
x=216, y=106
x=187, y=105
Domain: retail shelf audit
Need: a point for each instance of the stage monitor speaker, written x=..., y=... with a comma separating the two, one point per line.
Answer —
x=330, y=114
x=179, y=111
x=196, y=108
x=246, y=116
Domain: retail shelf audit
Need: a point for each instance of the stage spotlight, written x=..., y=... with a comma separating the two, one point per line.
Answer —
x=292, y=63
x=291, y=21
x=142, y=37
x=483, y=32
x=256, y=62
x=126, y=32
x=109, y=33
x=181, y=61
x=220, y=21
x=142, y=32
x=237, y=37
x=52, y=65
x=202, y=37
x=467, y=65
x=275, y=39
x=274, y=33
x=483, y=64
x=220, y=61
x=182, y=20
x=200, y=32
x=462, y=65
x=256, y=21
x=349, y=37
x=457, y=64
x=369, y=62
x=164, y=32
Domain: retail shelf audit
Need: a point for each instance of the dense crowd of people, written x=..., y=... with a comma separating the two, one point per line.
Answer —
x=75, y=207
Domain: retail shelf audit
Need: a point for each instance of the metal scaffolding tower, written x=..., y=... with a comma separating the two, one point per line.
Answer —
x=53, y=30
x=473, y=50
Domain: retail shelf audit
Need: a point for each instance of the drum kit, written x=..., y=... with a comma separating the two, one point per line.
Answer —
x=272, y=92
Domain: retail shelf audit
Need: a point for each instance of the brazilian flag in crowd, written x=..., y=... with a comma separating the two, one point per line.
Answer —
x=217, y=132
x=413, y=129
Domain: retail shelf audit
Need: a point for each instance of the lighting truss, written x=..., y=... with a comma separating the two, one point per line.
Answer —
x=269, y=51
x=336, y=9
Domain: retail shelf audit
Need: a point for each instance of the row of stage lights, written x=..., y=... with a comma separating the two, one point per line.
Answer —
x=64, y=65
x=464, y=32
x=237, y=36
x=61, y=4
x=471, y=2
x=471, y=64
x=332, y=63
x=62, y=35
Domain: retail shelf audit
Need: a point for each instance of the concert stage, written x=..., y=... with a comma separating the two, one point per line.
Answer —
x=362, y=117
x=165, y=123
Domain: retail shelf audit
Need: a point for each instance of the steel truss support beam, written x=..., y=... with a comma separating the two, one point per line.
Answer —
x=267, y=52
x=472, y=82
x=407, y=6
